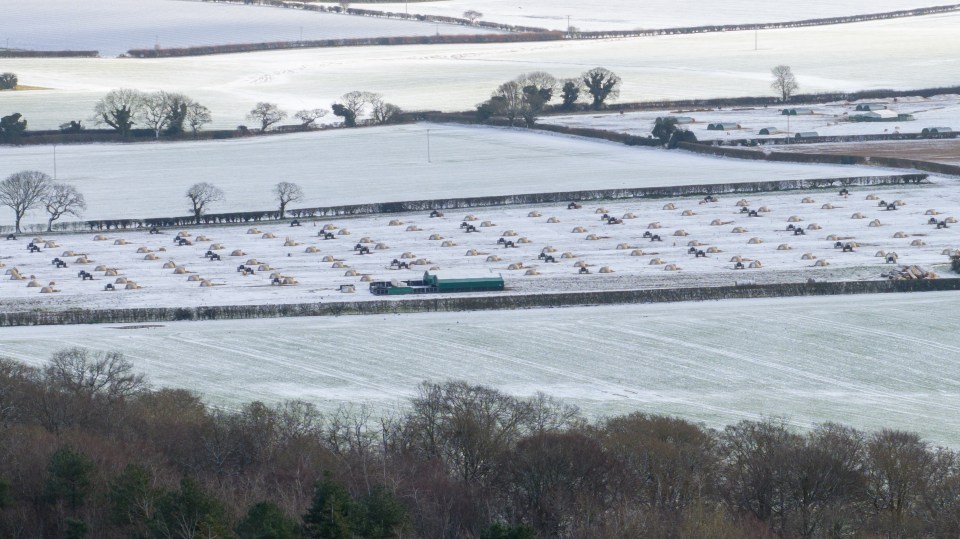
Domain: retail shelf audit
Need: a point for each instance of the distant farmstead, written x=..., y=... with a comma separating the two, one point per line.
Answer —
x=807, y=134
x=881, y=115
x=796, y=112
x=723, y=126
x=866, y=107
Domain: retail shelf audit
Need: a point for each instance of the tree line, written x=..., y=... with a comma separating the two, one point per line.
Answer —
x=31, y=189
x=89, y=449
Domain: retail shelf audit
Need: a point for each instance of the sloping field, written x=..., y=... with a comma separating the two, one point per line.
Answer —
x=171, y=275
x=868, y=361
x=630, y=14
x=115, y=26
x=374, y=165
x=902, y=54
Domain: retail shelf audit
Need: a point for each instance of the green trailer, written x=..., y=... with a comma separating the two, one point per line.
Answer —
x=441, y=282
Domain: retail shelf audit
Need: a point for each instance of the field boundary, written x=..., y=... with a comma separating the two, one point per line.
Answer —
x=561, y=197
x=515, y=33
x=822, y=158
x=470, y=303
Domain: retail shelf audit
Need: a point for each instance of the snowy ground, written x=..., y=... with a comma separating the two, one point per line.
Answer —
x=885, y=361
x=827, y=120
x=580, y=236
x=380, y=164
x=903, y=54
x=115, y=26
x=630, y=14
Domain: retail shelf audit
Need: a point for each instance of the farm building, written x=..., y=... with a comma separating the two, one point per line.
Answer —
x=682, y=119
x=769, y=131
x=722, y=126
x=884, y=115
x=807, y=134
x=796, y=112
x=439, y=282
x=936, y=130
x=866, y=107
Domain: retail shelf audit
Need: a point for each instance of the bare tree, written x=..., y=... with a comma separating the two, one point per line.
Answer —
x=355, y=101
x=508, y=100
x=197, y=116
x=383, y=112
x=154, y=112
x=83, y=387
x=267, y=114
x=62, y=199
x=23, y=191
x=784, y=82
x=119, y=109
x=472, y=15
x=307, y=117
x=602, y=84
x=287, y=192
x=202, y=195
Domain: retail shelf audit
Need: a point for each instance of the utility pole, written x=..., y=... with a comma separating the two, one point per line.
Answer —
x=755, y=38
x=568, y=24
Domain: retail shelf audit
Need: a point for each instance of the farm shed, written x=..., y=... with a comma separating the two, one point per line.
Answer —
x=807, y=134
x=936, y=130
x=885, y=115
x=871, y=106
x=796, y=112
x=438, y=282
x=722, y=126
x=682, y=119
x=769, y=131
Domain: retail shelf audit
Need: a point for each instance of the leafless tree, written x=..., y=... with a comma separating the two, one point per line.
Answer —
x=119, y=109
x=356, y=101
x=472, y=15
x=287, y=192
x=23, y=191
x=784, y=83
x=508, y=100
x=307, y=117
x=154, y=112
x=383, y=112
x=267, y=114
x=82, y=387
x=197, y=116
x=62, y=199
x=202, y=195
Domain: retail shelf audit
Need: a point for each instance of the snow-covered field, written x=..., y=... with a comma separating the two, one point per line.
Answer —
x=571, y=236
x=631, y=14
x=115, y=26
x=902, y=53
x=827, y=120
x=869, y=361
x=380, y=164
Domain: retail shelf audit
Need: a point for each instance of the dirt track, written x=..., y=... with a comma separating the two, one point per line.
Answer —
x=938, y=151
